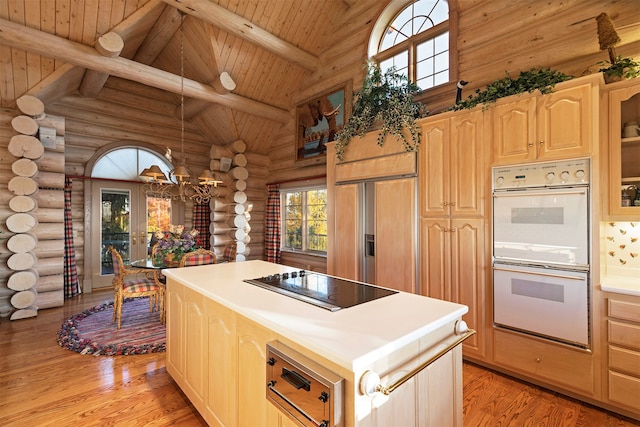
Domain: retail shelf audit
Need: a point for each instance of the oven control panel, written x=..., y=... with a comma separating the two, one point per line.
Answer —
x=543, y=174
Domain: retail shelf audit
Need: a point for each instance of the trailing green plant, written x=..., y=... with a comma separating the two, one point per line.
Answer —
x=541, y=79
x=387, y=97
x=625, y=68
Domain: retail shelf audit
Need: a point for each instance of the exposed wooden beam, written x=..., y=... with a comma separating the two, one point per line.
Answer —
x=109, y=45
x=139, y=20
x=223, y=82
x=62, y=82
x=48, y=45
x=159, y=35
x=241, y=27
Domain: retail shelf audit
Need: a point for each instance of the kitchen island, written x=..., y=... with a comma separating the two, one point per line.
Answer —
x=218, y=327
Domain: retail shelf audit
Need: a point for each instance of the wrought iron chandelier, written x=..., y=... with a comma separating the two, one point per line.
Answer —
x=179, y=184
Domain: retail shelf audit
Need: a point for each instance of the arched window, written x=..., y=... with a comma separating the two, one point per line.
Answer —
x=415, y=40
x=126, y=163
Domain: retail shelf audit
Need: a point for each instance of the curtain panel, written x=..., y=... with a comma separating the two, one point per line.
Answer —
x=272, y=224
x=71, y=285
x=202, y=222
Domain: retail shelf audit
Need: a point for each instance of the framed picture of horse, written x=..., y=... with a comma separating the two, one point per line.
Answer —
x=318, y=120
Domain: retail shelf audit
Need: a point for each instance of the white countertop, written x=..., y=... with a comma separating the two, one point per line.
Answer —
x=353, y=337
x=621, y=285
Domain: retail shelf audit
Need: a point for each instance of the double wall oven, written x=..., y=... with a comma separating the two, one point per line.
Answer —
x=541, y=250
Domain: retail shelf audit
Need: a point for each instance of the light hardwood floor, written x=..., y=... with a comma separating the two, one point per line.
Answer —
x=42, y=384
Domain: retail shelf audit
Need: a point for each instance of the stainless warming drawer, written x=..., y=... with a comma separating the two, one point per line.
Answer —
x=304, y=390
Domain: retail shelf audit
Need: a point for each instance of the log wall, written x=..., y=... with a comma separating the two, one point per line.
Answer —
x=33, y=233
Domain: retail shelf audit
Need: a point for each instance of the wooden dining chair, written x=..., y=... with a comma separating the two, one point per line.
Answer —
x=198, y=257
x=134, y=287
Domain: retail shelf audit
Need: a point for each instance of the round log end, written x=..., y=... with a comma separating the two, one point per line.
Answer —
x=31, y=106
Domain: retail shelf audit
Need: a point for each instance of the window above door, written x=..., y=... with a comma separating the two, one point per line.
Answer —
x=126, y=163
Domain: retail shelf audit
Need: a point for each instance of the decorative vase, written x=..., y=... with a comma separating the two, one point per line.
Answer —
x=170, y=260
x=609, y=78
x=167, y=259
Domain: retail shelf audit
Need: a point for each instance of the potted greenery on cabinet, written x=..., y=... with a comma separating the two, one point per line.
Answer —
x=385, y=102
x=621, y=68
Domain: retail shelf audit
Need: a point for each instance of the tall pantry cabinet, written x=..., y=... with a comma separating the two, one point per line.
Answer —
x=452, y=171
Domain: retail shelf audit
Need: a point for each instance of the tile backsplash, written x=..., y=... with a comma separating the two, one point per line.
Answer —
x=622, y=246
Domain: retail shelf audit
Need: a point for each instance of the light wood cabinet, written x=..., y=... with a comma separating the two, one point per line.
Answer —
x=623, y=331
x=452, y=268
x=624, y=150
x=555, y=364
x=452, y=172
x=559, y=125
x=251, y=378
x=217, y=358
x=227, y=381
x=451, y=166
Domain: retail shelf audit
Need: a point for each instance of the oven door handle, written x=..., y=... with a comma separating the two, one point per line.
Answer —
x=561, y=276
x=293, y=406
x=550, y=192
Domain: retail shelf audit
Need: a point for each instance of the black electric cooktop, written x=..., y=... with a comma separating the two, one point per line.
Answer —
x=330, y=293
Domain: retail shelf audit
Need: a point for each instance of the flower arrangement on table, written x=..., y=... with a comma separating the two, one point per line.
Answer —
x=171, y=245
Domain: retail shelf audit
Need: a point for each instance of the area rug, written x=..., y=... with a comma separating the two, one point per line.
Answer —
x=92, y=332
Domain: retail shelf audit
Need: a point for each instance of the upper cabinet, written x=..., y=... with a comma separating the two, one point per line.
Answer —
x=559, y=125
x=624, y=150
x=451, y=165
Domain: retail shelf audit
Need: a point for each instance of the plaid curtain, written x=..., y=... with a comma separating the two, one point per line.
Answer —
x=201, y=222
x=71, y=285
x=272, y=225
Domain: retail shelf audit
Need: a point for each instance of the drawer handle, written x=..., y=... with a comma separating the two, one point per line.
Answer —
x=295, y=379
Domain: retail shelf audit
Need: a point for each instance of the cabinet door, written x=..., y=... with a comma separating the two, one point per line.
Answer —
x=175, y=308
x=513, y=131
x=468, y=269
x=434, y=169
x=346, y=249
x=565, y=123
x=467, y=165
x=196, y=347
x=435, y=247
x=624, y=152
x=220, y=402
x=395, y=231
x=252, y=378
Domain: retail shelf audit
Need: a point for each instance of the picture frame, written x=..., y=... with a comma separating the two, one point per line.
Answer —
x=318, y=120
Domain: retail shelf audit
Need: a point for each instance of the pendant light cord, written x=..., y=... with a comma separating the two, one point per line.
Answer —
x=182, y=85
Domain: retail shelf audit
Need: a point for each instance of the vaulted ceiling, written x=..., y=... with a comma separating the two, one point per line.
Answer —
x=245, y=60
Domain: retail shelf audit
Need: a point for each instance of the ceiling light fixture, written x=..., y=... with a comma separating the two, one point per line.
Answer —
x=179, y=184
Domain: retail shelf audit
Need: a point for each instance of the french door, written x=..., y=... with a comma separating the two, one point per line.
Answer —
x=124, y=217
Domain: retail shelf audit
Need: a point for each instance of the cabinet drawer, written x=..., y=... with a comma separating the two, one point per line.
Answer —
x=624, y=389
x=546, y=361
x=624, y=360
x=624, y=310
x=624, y=334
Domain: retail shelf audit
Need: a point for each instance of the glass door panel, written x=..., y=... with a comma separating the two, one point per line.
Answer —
x=126, y=219
x=115, y=226
x=158, y=218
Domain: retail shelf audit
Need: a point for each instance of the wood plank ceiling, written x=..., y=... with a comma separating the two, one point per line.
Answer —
x=267, y=47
